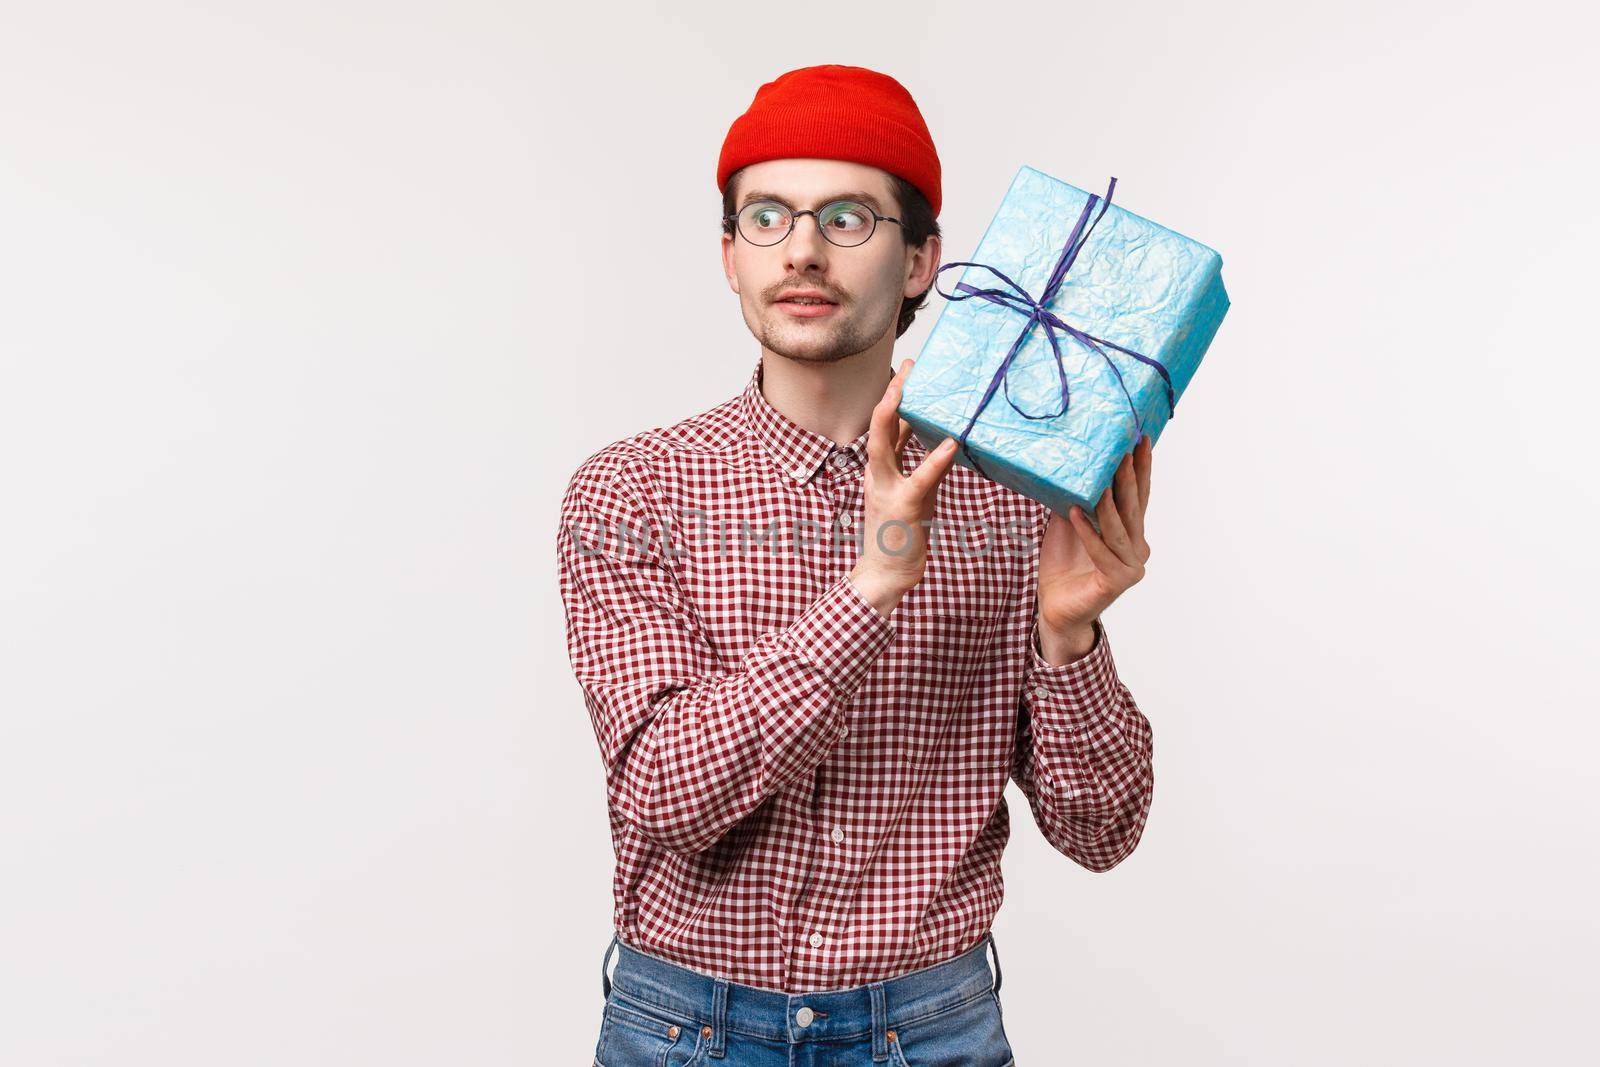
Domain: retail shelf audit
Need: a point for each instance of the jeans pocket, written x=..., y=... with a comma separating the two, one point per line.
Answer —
x=634, y=1034
x=967, y=1035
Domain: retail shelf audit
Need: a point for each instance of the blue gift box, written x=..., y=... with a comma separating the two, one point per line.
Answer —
x=1133, y=300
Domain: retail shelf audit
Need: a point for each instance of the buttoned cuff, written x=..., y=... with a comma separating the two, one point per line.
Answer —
x=843, y=633
x=1068, y=695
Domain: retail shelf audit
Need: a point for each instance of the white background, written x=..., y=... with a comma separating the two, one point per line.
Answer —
x=308, y=311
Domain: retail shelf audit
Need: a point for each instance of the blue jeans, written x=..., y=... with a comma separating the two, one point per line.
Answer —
x=658, y=1014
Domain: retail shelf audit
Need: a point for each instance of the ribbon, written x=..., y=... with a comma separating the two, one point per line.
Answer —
x=1018, y=299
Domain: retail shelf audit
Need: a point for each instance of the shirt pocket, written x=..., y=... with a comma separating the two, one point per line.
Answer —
x=973, y=592
x=946, y=636
x=967, y=577
x=634, y=1034
x=953, y=600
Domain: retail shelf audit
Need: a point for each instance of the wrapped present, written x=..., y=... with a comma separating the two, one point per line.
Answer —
x=1074, y=329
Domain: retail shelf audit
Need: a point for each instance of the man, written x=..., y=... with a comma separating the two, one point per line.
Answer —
x=814, y=652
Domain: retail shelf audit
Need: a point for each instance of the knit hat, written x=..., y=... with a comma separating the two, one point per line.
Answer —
x=835, y=112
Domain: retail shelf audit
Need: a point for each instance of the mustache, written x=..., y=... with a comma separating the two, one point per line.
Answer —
x=829, y=294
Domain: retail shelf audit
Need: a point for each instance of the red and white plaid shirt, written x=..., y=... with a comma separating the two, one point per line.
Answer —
x=805, y=795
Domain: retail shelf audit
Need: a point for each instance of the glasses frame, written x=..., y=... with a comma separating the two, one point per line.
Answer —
x=813, y=212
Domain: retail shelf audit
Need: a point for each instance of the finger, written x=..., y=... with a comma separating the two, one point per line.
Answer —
x=1112, y=531
x=880, y=435
x=1125, y=487
x=1105, y=560
x=1143, y=460
x=933, y=467
x=900, y=442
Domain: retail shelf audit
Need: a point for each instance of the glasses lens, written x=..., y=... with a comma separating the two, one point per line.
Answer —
x=764, y=222
x=845, y=223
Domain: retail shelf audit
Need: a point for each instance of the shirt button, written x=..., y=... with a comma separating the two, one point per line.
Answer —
x=844, y=731
x=802, y=471
x=837, y=835
x=841, y=460
x=816, y=940
x=804, y=1016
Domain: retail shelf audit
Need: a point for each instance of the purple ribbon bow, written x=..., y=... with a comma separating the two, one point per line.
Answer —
x=1036, y=310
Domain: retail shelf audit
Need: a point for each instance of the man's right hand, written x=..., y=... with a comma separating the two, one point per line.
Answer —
x=898, y=507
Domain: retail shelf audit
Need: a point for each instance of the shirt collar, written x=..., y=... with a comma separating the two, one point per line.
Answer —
x=799, y=452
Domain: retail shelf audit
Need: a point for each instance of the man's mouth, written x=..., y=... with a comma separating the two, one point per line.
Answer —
x=807, y=307
x=801, y=302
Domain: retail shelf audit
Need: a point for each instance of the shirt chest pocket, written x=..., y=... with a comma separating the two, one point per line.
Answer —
x=948, y=598
x=949, y=622
x=961, y=586
x=944, y=667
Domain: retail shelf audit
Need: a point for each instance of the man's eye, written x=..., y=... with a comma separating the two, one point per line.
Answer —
x=847, y=217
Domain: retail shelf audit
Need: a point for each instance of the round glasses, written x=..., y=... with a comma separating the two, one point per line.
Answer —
x=844, y=222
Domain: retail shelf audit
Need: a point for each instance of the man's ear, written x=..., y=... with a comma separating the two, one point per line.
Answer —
x=727, y=263
x=922, y=265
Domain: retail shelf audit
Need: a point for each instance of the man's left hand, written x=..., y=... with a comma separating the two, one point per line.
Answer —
x=1080, y=571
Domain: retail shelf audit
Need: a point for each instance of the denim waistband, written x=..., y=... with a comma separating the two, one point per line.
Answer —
x=875, y=1007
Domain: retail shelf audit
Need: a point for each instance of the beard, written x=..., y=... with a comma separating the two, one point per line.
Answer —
x=841, y=336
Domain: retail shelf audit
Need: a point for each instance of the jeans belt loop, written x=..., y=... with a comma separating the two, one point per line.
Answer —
x=996, y=950
x=605, y=979
x=719, y=1018
x=880, y=1022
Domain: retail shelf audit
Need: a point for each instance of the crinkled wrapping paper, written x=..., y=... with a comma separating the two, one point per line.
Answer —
x=1134, y=283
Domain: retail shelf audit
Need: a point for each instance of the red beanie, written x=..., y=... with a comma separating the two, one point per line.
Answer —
x=835, y=112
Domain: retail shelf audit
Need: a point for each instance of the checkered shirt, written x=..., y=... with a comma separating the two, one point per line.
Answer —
x=805, y=794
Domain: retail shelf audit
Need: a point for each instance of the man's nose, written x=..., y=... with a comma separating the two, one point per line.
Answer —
x=805, y=248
